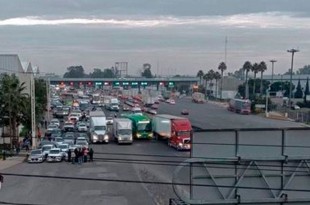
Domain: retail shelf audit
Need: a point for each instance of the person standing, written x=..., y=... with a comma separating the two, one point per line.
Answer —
x=76, y=154
x=80, y=159
x=69, y=155
x=91, y=154
x=1, y=180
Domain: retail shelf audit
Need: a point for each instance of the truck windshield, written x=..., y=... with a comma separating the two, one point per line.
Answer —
x=183, y=133
x=100, y=128
x=144, y=127
x=124, y=132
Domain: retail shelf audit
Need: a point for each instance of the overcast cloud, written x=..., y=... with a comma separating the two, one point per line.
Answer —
x=181, y=36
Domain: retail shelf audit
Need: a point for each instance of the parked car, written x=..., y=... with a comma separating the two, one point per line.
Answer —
x=36, y=156
x=46, y=148
x=55, y=122
x=58, y=140
x=80, y=139
x=126, y=108
x=184, y=112
x=55, y=155
x=109, y=120
x=81, y=144
x=64, y=149
x=68, y=126
x=82, y=127
x=69, y=140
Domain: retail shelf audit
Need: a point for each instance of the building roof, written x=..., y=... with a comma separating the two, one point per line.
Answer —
x=10, y=63
x=27, y=67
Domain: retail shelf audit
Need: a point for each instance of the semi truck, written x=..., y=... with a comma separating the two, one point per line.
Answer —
x=177, y=130
x=98, y=127
x=198, y=98
x=141, y=126
x=122, y=130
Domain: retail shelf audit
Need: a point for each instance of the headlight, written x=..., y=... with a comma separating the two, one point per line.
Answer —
x=150, y=134
x=95, y=137
x=138, y=135
x=106, y=137
x=180, y=144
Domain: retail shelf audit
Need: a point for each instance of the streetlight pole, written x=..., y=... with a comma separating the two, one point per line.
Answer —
x=272, y=62
x=292, y=51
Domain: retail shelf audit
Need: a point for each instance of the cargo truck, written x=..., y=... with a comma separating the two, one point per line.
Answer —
x=122, y=130
x=98, y=127
x=141, y=126
x=177, y=130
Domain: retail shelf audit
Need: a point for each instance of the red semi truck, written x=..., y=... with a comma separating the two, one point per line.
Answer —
x=177, y=130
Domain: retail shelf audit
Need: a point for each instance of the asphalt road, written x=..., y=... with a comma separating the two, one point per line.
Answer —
x=136, y=163
x=112, y=162
x=211, y=116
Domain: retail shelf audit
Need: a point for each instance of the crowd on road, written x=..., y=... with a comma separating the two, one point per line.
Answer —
x=81, y=155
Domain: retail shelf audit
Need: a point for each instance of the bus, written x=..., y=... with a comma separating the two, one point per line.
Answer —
x=141, y=126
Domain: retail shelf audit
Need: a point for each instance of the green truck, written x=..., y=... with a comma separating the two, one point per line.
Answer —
x=141, y=126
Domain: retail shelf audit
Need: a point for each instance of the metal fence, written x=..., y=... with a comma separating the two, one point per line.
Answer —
x=248, y=166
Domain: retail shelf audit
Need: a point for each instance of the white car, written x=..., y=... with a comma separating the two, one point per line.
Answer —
x=55, y=155
x=52, y=127
x=58, y=140
x=64, y=148
x=172, y=102
x=109, y=120
x=74, y=117
x=81, y=139
x=81, y=144
x=36, y=156
x=82, y=127
x=55, y=122
x=68, y=126
x=46, y=149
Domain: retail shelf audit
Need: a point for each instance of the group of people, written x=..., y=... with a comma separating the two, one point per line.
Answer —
x=81, y=155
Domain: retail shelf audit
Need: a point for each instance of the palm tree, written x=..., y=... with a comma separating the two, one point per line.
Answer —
x=16, y=102
x=206, y=79
x=247, y=66
x=222, y=67
x=262, y=67
x=217, y=76
x=210, y=75
x=255, y=70
x=200, y=75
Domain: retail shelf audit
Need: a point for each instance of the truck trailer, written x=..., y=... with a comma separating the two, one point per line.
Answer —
x=177, y=130
x=122, y=130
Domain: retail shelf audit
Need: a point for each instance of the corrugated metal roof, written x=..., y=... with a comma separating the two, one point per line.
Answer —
x=10, y=63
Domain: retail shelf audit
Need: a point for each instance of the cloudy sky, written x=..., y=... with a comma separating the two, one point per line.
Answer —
x=175, y=36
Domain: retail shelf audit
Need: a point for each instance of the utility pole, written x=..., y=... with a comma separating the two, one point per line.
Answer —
x=292, y=51
x=48, y=98
x=33, y=110
x=272, y=62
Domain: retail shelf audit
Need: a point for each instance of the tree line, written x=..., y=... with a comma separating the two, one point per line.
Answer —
x=15, y=104
x=79, y=72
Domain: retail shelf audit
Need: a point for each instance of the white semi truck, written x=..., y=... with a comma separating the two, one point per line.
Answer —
x=98, y=127
x=122, y=130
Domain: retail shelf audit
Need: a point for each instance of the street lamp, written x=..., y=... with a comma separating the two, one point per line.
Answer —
x=292, y=51
x=272, y=62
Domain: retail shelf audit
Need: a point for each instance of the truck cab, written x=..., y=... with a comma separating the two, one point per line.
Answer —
x=122, y=130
